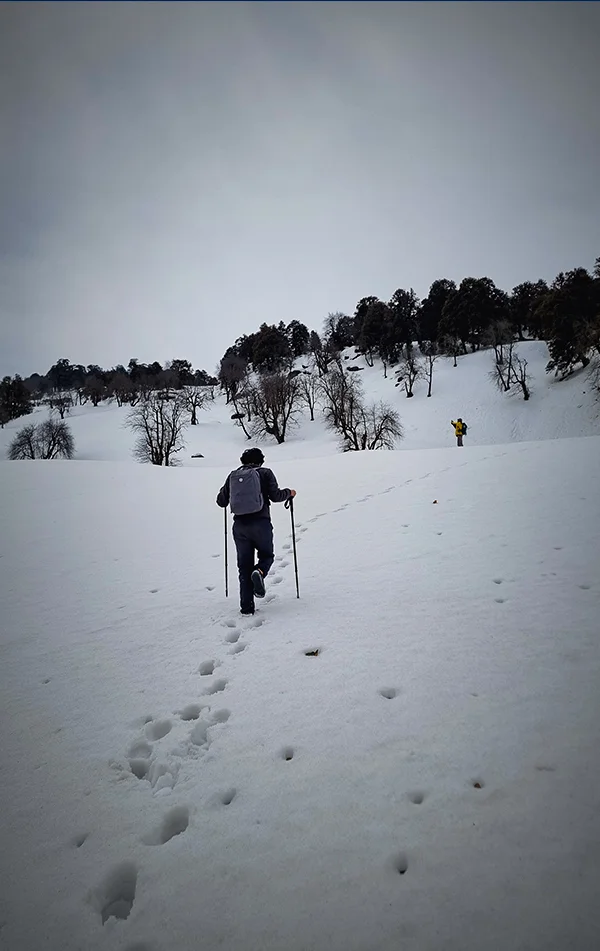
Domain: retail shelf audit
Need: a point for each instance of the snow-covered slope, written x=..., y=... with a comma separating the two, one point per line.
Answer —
x=174, y=777
x=557, y=409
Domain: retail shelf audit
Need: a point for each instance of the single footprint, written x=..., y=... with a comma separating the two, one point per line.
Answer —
x=545, y=769
x=256, y=622
x=199, y=734
x=162, y=778
x=191, y=712
x=388, y=692
x=417, y=797
x=585, y=587
x=153, y=590
x=233, y=637
x=284, y=564
x=270, y=597
x=158, y=728
x=477, y=783
x=286, y=547
x=217, y=687
x=115, y=896
x=229, y=622
x=238, y=648
x=139, y=758
x=497, y=580
x=277, y=579
x=221, y=716
x=228, y=796
x=401, y=863
x=174, y=823
x=79, y=839
x=210, y=587
x=206, y=668
x=287, y=753
x=218, y=555
x=499, y=600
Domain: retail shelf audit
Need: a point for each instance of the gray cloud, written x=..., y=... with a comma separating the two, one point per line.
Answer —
x=174, y=174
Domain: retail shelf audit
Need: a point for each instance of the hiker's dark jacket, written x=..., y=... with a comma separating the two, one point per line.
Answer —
x=270, y=490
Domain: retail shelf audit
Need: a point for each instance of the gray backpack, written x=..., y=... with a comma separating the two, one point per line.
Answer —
x=245, y=491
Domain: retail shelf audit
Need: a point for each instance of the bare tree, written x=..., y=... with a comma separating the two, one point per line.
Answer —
x=51, y=439
x=376, y=426
x=195, y=398
x=158, y=422
x=24, y=445
x=520, y=377
x=232, y=373
x=501, y=372
x=409, y=371
x=277, y=404
x=244, y=403
x=498, y=335
x=511, y=373
x=381, y=426
x=123, y=389
x=94, y=390
x=452, y=346
x=145, y=385
x=309, y=391
x=324, y=352
x=341, y=396
x=430, y=351
x=61, y=402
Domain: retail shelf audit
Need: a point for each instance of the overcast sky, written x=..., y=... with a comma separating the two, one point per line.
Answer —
x=172, y=175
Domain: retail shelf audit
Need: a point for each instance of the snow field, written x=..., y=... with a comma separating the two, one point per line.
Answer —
x=406, y=756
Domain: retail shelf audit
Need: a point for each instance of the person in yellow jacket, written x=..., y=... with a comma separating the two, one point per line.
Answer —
x=460, y=430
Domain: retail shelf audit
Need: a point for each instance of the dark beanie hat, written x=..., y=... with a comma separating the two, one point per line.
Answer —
x=252, y=457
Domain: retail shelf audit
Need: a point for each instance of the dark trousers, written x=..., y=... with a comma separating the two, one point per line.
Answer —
x=459, y=441
x=254, y=535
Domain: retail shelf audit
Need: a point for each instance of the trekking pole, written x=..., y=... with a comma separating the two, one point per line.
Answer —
x=226, y=567
x=290, y=505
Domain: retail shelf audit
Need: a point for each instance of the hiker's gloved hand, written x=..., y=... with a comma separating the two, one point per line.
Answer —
x=292, y=493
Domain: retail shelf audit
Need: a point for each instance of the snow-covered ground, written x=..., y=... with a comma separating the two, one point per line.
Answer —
x=174, y=777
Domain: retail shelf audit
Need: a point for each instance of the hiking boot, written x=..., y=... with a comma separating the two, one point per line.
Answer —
x=249, y=611
x=258, y=583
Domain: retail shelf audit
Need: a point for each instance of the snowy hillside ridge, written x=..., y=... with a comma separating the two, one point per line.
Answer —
x=405, y=757
x=557, y=409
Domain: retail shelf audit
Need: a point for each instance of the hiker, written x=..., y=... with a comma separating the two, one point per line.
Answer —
x=250, y=490
x=460, y=430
